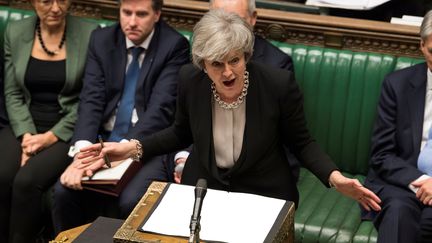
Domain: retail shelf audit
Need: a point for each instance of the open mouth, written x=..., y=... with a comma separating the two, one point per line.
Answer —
x=229, y=83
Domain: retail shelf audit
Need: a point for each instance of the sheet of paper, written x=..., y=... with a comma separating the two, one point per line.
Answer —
x=347, y=4
x=225, y=216
x=113, y=173
x=395, y=20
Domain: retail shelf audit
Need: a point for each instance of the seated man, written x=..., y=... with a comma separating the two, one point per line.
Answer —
x=264, y=52
x=400, y=134
x=130, y=88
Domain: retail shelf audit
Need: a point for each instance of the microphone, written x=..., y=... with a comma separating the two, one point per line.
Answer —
x=200, y=192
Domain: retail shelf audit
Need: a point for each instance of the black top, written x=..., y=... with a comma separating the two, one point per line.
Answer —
x=44, y=80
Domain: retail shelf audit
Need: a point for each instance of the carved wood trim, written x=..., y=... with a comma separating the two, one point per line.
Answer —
x=289, y=27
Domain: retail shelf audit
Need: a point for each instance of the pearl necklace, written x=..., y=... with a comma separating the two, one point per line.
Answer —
x=39, y=35
x=239, y=100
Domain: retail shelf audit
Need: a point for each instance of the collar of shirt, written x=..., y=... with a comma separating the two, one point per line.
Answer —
x=145, y=44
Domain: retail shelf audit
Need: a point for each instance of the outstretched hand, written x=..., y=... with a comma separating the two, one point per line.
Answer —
x=115, y=151
x=354, y=189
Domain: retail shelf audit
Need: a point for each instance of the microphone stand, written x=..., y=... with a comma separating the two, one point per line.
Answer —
x=195, y=226
x=194, y=237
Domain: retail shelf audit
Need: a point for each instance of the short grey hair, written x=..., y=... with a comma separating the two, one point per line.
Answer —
x=217, y=34
x=156, y=4
x=426, y=26
x=251, y=5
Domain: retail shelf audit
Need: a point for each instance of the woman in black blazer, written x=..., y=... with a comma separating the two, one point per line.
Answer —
x=238, y=115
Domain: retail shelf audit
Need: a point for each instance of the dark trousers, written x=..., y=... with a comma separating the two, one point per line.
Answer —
x=72, y=208
x=21, y=188
x=403, y=217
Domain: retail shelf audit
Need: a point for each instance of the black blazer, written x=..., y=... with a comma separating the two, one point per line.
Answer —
x=398, y=129
x=274, y=117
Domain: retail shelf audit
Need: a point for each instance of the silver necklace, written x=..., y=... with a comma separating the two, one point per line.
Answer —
x=239, y=100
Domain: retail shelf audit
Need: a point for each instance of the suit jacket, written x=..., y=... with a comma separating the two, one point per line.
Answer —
x=19, y=37
x=104, y=80
x=265, y=52
x=3, y=115
x=274, y=117
x=398, y=129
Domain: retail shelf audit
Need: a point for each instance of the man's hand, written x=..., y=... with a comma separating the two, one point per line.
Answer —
x=73, y=174
x=424, y=192
x=354, y=189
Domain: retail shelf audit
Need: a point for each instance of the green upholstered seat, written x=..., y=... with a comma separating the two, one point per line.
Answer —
x=341, y=90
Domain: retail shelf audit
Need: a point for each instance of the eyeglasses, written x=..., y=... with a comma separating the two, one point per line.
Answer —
x=49, y=3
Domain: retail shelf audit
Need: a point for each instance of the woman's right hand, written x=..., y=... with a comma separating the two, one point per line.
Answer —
x=115, y=152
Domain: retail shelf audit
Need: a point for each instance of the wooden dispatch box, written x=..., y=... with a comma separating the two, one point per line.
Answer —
x=129, y=231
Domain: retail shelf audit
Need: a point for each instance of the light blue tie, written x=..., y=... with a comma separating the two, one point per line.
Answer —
x=424, y=162
x=127, y=101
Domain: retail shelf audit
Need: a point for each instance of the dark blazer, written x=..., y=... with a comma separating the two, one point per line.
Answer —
x=398, y=129
x=19, y=37
x=104, y=80
x=265, y=52
x=3, y=114
x=274, y=117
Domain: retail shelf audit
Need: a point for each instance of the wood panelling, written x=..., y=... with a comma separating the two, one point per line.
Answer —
x=289, y=27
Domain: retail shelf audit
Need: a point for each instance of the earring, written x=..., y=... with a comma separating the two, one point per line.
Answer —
x=205, y=71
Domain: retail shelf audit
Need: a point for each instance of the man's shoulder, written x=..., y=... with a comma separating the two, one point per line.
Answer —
x=266, y=46
x=408, y=71
x=266, y=52
x=418, y=71
x=107, y=33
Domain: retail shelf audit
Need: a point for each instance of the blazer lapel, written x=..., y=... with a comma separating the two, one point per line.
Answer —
x=24, y=52
x=147, y=63
x=416, y=104
x=252, y=126
x=118, y=64
x=204, y=125
x=73, y=52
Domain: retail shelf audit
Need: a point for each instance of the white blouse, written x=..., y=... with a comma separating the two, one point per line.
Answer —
x=228, y=130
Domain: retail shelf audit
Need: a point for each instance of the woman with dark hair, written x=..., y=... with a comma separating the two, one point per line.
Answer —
x=44, y=62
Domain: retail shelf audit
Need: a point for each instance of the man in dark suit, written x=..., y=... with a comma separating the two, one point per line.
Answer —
x=400, y=134
x=264, y=52
x=154, y=51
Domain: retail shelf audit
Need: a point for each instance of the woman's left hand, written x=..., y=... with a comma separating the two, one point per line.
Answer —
x=33, y=144
x=355, y=190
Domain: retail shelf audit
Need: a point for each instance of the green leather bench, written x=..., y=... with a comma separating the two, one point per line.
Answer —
x=341, y=90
